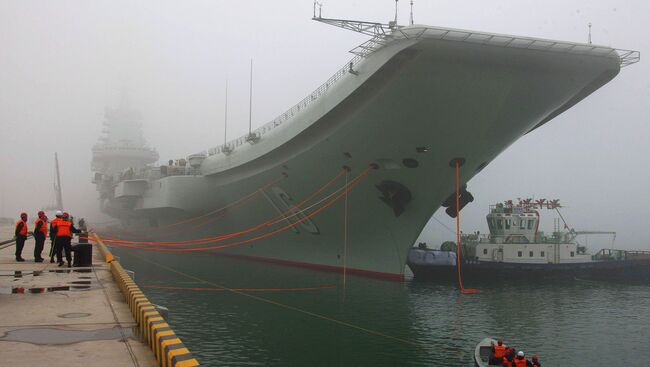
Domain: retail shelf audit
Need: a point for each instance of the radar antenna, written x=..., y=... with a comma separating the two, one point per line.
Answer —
x=589, y=38
x=411, y=12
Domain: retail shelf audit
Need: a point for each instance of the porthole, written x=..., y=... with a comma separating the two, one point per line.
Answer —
x=410, y=163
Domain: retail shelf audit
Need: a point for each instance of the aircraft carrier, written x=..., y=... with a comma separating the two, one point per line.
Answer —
x=391, y=122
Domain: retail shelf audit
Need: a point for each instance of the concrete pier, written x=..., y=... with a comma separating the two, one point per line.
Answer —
x=52, y=316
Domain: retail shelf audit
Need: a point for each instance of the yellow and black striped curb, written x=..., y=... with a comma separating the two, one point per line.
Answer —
x=168, y=348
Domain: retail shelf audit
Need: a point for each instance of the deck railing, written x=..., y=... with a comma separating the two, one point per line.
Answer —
x=291, y=112
x=380, y=39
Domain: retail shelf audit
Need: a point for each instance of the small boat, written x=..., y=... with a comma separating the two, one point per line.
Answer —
x=515, y=249
x=483, y=351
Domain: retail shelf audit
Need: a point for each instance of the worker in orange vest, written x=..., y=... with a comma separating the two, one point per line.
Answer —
x=536, y=362
x=53, y=223
x=21, y=236
x=498, y=352
x=521, y=361
x=509, y=358
x=64, y=231
x=40, y=233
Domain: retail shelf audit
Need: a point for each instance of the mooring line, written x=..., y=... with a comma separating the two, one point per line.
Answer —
x=288, y=307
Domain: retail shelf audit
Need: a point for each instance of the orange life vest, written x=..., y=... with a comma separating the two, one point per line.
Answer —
x=53, y=224
x=520, y=362
x=23, y=231
x=43, y=226
x=499, y=351
x=63, y=228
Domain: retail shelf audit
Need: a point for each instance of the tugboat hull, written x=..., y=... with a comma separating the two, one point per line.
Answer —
x=477, y=272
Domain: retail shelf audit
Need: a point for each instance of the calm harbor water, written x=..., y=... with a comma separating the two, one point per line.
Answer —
x=378, y=323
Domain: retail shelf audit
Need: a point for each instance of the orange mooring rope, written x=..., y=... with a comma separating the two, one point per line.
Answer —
x=458, y=257
x=219, y=211
x=352, y=184
x=281, y=217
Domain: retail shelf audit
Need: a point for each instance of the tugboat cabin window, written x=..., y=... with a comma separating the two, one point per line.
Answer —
x=573, y=253
x=508, y=223
x=519, y=253
x=541, y=254
x=530, y=254
x=484, y=251
x=531, y=223
x=523, y=224
x=499, y=223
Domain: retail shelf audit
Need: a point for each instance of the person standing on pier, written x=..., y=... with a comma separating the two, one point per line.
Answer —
x=40, y=233
x=21, y=236
x=64, y=231
x=53, y=223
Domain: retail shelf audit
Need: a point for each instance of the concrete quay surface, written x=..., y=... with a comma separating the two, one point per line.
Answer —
x=56, y=316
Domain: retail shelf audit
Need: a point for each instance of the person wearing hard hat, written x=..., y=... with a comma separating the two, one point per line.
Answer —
x=53, y=223
x=521, y=361
x=64, y=231
x=508, y=360
x=498, y=352
x=21, y=236
x=40, y=233
x=536, y=362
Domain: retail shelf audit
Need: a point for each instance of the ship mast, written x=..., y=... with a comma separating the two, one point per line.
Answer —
x=250, y=102
x=226, y=148
x=251, y=138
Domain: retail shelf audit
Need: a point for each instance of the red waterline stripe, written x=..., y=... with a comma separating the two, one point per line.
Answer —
x=328, y=268
x=241, y=289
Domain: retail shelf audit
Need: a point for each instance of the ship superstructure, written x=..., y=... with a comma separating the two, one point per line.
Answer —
x=121, y=154
x=413, y=100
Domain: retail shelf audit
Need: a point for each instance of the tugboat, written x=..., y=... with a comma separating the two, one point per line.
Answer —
x=517, y=249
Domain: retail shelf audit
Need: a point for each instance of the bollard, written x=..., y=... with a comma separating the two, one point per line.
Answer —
x=83, y=255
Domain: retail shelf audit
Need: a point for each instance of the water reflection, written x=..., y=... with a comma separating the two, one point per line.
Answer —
x=383, y=323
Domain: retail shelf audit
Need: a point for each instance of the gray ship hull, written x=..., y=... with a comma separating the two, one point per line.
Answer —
x=454, y=99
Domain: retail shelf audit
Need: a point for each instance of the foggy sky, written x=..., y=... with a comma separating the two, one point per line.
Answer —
x=62, y=62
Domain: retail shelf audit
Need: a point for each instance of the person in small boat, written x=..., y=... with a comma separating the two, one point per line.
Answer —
x=509, y=357
x=498, y=352
x=536, y=362
x=521, y=361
